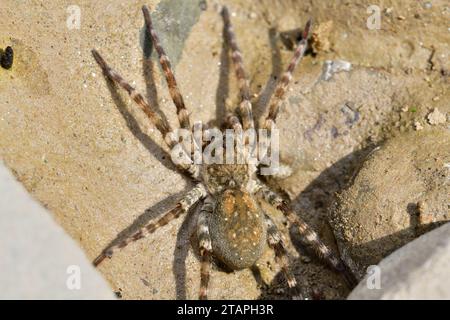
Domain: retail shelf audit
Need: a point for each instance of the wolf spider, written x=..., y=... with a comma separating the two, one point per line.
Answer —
x=231, y=225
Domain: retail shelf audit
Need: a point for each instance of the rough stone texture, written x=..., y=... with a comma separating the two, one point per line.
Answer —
x=418, y=270
x=401, y=191
x=83, y=150
x=38, y=258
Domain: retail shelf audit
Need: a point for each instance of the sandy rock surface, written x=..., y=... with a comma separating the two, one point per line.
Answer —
x=82, y=149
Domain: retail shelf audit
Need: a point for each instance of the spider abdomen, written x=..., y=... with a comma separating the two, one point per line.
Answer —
x=238, y=231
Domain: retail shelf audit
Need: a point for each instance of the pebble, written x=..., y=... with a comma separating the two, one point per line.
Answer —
x=436, y=117
x=331, y=67
x=7, y=58
x=427, y=5
x=418, y=126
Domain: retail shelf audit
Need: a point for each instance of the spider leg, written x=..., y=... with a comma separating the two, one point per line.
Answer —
x=245, y=106
x=183, y=206
x=198, y=142
x=308, y=234
x=276, y=243
x=182, y=113
x=283, y=83
x=160, y=123
x=245, y=152
x=280, y=90
x=233, y=122
x=205, y=246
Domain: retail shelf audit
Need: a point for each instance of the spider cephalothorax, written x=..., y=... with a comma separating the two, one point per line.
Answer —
x=218, y=177
x=231, y=226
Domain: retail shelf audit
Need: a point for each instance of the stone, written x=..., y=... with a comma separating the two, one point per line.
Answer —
x=400, y=192
x=436, y=117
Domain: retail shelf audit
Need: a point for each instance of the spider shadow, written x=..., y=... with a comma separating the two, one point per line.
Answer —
x=183, y=243
x=148, y=215
x=288, y=39
x=152, y=97
x=156, y=150
x=260, y=105
x=187, y=227
x=148, y=67
x=183, y=235
x=223, y=87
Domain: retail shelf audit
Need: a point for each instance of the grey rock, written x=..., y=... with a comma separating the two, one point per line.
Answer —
x=174, y=19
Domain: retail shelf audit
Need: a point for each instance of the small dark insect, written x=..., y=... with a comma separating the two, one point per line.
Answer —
x=7, y=58
x=232, y=226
